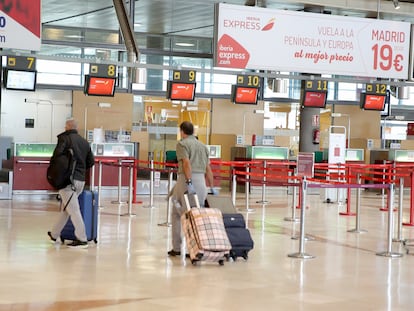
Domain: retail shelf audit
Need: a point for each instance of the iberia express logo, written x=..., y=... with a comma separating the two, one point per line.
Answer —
x=269, y=25
x=230, y=53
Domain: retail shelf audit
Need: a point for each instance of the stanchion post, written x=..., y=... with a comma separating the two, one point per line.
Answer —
x=167, y=223
x=383, y=177
x=348, y=200
x=389, y=252
x=130, y=191
x=135, y=172
x=294, y=203
x=151, y=187
x=385, y=209
x=301, y=253
x=247, y=189
x=119, y=183
x=358, y=209
x=411, y=222
x=92, y=185
x=400, y=211
x=99, y=183
x=263, y=200
x=234, y=187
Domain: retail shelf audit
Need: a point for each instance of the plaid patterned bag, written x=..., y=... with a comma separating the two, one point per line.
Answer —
x=205, y=234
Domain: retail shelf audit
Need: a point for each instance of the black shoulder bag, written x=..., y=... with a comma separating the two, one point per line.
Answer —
x=61, y=168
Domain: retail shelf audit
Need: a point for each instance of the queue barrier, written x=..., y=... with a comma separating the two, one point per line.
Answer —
x=348, y=176
x=120, y=163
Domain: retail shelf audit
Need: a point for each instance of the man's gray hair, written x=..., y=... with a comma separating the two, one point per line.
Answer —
x=72, y=123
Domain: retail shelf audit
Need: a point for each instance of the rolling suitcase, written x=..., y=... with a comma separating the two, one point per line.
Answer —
x=204, y=232
x=239, y=236
x=88, y=202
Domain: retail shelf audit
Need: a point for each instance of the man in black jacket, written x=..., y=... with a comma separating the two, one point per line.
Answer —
x=69, y=195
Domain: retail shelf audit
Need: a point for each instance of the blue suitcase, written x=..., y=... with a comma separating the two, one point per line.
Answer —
x=239, y=236
x=88, y=202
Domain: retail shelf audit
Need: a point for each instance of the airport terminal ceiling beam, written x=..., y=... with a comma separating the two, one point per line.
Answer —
x=127, y=30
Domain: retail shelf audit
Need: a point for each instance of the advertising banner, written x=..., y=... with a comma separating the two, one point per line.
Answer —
x=20, y=25
x=280, y=40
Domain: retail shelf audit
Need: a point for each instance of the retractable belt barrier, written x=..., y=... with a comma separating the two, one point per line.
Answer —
x=283, y=174
x=347, y=176
x=132, y=165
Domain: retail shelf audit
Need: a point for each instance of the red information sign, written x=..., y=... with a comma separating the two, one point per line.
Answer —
x=305, y=164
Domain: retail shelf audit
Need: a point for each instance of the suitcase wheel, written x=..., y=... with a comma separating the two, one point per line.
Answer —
x=194, y=262
x=221, y=262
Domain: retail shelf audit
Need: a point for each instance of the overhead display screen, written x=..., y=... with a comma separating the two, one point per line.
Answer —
x=244, y=95
x=181, y=91
x=314, y=99
x=373, y=102
x=99, y=86
x=19, y=80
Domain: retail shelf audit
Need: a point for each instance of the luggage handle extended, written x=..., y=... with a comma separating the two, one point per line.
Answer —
x=194, y=200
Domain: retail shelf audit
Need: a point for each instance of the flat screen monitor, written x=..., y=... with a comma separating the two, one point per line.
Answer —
x=387, y=106
x=314, y=99
x=373, y=102
x=181, y=91
x=99, y=86
x=245, y=95
x=19, y=79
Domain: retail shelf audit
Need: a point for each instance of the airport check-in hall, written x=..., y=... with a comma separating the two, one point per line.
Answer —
x=299, y=114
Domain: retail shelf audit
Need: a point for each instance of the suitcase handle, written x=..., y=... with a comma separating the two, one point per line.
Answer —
x=187, y=200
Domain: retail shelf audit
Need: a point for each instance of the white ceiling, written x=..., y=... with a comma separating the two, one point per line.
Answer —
x=196, y=17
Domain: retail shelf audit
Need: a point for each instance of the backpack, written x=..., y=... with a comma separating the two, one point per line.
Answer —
x=61, y=169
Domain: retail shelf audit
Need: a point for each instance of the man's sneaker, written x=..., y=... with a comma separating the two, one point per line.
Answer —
x=78, y=244
x=52, y=239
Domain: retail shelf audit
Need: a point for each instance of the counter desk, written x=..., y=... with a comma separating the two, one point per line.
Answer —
x=31, y=160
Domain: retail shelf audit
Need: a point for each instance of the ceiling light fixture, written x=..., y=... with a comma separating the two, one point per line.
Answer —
x=184, y=44
x=396, y=4
x=74, y=36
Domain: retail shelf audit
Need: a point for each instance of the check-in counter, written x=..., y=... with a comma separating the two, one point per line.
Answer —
x=268, y=154
x=110, y=156
x=249, y=153
x=31, y=160
x=30, y=163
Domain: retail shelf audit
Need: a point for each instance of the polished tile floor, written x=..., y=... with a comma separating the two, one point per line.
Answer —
x=128, y=269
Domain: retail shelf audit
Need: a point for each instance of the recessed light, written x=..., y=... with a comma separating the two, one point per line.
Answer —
x=74, y=36
x=184, y=44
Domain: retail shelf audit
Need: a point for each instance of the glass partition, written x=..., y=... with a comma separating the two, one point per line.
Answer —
x=113, y=149
x=267, y=152
x=401, y=155
x=33, y=149
x=354, y=155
